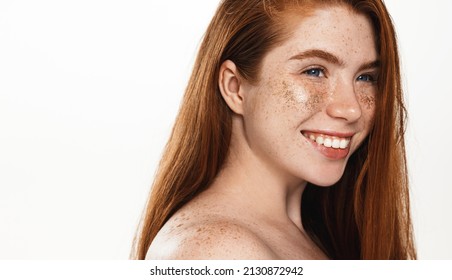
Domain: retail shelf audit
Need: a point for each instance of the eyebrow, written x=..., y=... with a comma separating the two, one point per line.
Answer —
x=331, y=58
x=370, y=65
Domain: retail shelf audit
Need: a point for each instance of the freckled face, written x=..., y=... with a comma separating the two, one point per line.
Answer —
x=313, y=104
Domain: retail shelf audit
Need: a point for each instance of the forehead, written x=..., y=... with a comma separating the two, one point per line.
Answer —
x=336, y=29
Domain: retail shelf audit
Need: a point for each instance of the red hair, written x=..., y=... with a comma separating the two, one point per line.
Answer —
x=366, y=214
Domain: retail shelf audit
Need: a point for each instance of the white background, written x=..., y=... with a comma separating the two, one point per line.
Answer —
x=89, y=90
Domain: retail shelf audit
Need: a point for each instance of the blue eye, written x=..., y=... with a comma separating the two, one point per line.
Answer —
x=316, y=72
x=366, y=78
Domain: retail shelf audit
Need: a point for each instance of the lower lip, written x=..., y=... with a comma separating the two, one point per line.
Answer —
x=331, y=153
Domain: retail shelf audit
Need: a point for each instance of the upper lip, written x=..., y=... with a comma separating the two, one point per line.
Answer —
x=331, y=133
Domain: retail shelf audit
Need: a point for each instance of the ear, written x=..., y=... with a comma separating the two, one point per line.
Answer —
x=229, y=82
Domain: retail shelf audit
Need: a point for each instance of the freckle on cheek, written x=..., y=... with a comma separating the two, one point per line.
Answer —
x=367, y=100
x=288, y=95
x=309, y=98
x=313, y=102
x=317, y=95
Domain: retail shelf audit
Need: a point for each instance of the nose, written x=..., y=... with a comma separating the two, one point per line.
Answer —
x=343, y=103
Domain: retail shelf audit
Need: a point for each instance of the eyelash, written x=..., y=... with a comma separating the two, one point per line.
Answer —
x=317, y=69
x=370, y=78
x=320, y=72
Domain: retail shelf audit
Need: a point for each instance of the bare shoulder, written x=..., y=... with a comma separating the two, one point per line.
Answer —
x=210, y=237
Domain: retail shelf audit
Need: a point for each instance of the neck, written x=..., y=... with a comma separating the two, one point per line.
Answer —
x=264, y=189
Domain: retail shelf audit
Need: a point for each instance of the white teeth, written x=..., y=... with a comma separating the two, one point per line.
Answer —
x=344, y=144
x=319, y=140
x=336, y=143
x=327, y=143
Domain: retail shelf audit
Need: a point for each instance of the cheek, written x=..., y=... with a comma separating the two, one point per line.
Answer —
x=306, y=98
x=367, y=103
x=366, y=96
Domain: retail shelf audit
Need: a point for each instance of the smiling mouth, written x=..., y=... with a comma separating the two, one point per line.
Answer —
x=328, y=141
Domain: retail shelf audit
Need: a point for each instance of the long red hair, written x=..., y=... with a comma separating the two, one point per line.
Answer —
x=366, y=215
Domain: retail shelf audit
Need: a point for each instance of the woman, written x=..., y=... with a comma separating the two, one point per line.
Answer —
x=289, y=143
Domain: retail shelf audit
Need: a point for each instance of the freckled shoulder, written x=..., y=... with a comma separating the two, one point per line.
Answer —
x=209, y=239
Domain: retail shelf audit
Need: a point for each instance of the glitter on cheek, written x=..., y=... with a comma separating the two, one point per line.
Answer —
x=366, y=99
x=367, y=102
x=291, y=97
x=317, y=96
x=308, y=97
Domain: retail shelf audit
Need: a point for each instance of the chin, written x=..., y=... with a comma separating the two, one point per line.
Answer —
x=325, y=184
x=326, y=181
